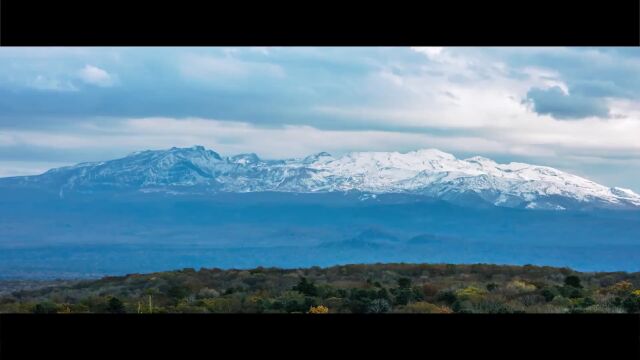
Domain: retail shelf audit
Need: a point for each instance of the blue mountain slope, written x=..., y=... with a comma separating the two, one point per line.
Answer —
x=144, y=232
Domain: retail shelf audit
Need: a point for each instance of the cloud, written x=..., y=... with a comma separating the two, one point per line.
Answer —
x=42, y=82
x=507, y=103
x=215, y=68
x=21, y=168
x=568, y=145
x=555, y=102
x=431, y=52
x=231, y=137
x=94, y=75
x=584, y=138
x=600, y=89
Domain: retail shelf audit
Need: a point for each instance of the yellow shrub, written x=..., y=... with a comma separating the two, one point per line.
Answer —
x=320, y=309
x=470, y=292
x=622, y=287
x=521, y=286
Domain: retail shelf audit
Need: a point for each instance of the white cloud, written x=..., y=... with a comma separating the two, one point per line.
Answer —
x=430, y=51
x=230, y=137
x=544, y=141
x=545, y=78
x=211, y=68
x=547, y=138
x=485, y=99
x=96, y=76
x=42, y=82
x=21, y=168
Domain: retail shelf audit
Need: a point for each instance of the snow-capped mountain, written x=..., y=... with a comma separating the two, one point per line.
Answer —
x=427, y=172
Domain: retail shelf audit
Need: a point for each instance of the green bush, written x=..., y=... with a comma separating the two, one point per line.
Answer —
x=115, y=306
x=404, y=283
x=46, y=307
x=631, y=304
x=447, y=296
x=379, y=306
x=549, y=294
x=573, y=281
x=305, y=287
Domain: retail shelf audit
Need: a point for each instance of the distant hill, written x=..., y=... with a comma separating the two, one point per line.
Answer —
x=101, y=234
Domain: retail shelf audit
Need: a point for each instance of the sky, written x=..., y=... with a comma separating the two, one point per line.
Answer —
x=576, y=109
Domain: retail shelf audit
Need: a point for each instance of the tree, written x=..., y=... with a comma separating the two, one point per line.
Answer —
x=45, y=308
x=305, y=287
x=447, y=296
x=462, y=306
x=548, y=294
x=115, y=306
x=631, y=304
x=178, y=292
x=491, y=286
x=573, y=281
x=404, y=283
x=360, y=299
x=584, y=302
x=379, y=306
x=291, y=301
x=429, y=290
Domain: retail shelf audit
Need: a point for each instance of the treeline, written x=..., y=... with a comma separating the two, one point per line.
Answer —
x=377, y=288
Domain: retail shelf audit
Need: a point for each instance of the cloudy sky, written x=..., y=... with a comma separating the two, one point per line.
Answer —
x=577, y=109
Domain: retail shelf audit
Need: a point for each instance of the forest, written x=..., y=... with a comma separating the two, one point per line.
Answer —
x=374, y=288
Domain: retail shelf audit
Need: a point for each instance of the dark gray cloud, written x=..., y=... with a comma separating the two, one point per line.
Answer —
x=553, y=101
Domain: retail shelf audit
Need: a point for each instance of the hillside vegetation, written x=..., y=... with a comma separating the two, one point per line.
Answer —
x=377, y=288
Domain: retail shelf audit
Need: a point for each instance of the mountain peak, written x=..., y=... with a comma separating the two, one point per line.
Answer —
x=432, y=153
x=195, y=149
x=317, y=157
x=480, y=160
x=244, y=159
x=192, y=148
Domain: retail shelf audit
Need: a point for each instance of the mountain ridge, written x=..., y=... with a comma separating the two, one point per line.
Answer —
x=429, y=172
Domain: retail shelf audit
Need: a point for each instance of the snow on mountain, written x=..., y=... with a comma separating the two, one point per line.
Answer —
x=428, y=172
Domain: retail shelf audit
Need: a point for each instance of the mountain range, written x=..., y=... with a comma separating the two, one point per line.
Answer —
x=427, y=172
